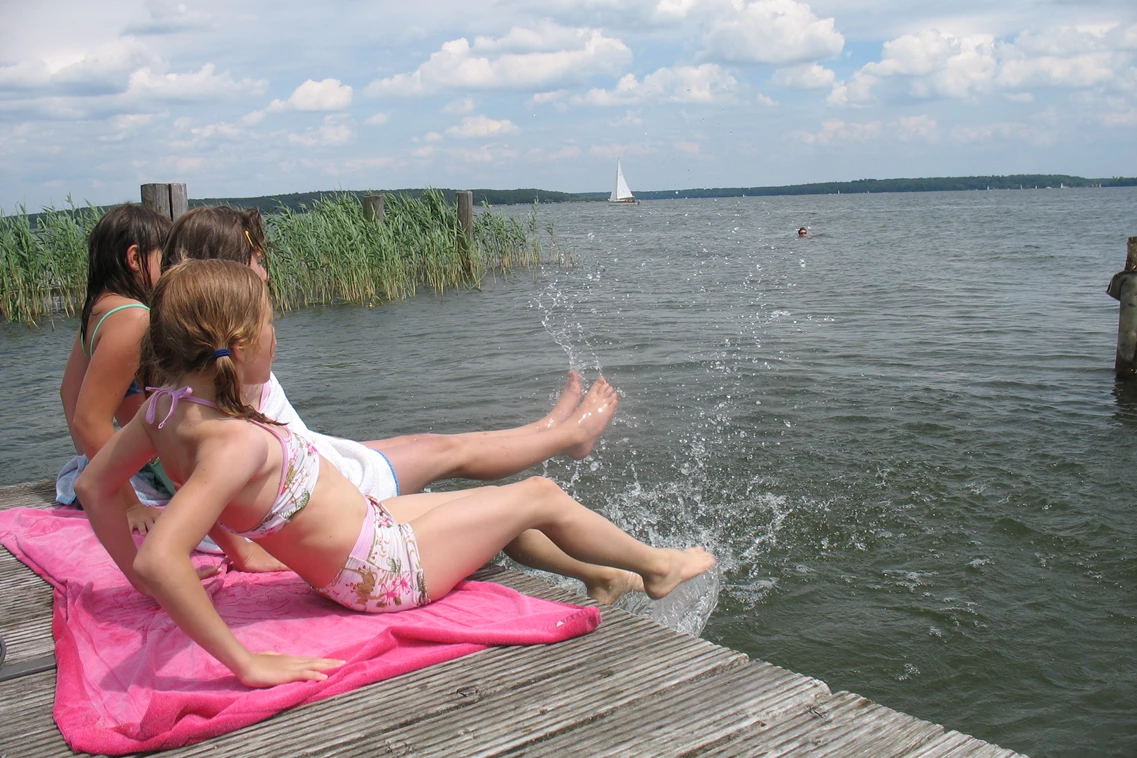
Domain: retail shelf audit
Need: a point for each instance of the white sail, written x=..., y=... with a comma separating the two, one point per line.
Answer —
x=621, y=194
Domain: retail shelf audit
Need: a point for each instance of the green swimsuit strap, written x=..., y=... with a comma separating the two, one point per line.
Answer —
x=106, y=315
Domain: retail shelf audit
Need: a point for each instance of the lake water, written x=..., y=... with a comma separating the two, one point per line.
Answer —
x=901, y=436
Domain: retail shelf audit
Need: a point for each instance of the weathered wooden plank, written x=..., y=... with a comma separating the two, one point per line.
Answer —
x=26, y=725
x=630, y=688
x=688, y=717
x=25, y=610
x=30, y=495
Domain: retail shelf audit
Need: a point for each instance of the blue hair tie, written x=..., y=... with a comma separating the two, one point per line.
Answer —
x=222, y=352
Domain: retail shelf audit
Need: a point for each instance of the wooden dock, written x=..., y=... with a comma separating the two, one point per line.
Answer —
x=631, y=688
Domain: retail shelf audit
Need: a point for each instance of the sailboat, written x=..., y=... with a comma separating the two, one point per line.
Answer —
x=622, y=195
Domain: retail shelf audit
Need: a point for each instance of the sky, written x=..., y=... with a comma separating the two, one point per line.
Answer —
x=258, y=98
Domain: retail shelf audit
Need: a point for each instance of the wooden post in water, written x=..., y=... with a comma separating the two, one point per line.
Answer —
x=373, y=208
x=1125, y=363
x=466, y=229
x=171, y=200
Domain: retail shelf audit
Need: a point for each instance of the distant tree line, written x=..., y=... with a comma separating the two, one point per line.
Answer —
x=929, y=184
x=302, y=200
x=529, y=196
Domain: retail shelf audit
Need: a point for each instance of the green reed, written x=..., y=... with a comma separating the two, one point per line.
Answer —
x=43, y=264
x=328, y=253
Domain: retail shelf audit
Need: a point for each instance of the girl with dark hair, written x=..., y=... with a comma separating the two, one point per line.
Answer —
x=99, y=388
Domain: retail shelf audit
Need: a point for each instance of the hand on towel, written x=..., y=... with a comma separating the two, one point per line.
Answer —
x=268, y=669
x=142, y=517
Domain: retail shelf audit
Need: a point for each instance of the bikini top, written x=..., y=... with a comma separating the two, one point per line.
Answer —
x=83, y=343
x=298, y=472
x=133, y=389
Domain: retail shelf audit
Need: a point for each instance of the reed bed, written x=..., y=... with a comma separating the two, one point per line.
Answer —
x=328, y=253
x=43, y=265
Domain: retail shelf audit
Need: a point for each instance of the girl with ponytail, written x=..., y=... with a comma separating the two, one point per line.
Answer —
x=241, y=476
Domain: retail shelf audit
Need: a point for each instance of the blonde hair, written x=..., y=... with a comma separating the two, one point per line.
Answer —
x=201, y=307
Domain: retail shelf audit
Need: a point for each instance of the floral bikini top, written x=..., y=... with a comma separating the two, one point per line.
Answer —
x=298, y=472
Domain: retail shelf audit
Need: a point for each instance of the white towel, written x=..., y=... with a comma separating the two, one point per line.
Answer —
x=146, y=485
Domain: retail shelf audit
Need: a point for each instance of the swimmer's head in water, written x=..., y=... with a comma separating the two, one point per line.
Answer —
x=802, y=231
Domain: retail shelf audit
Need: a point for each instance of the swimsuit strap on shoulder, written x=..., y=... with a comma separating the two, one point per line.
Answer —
x=109, y=313
x=184, y=393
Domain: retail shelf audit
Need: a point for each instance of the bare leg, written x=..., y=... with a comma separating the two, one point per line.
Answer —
x=602, y=583
x=421, y=459
x=461, y=533
x=532, y=548
x=566, y=403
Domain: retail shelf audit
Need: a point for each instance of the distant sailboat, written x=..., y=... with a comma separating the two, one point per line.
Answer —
x=622, y=194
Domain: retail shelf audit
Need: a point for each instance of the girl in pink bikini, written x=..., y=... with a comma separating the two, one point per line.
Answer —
x=240, y=474
x=403, y=465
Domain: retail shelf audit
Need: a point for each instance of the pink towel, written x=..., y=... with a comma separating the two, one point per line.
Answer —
x=128, y=680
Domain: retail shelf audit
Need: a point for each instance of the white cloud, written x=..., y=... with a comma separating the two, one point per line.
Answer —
x=325, y=95
x=935, y=64
x=691, y=148
x=708, y=83
x=630, y=118
x=1079, y=71
x=334, y=131
x=1124, y=118
x=198, y=86
x=377, y=119
x=533, y=58
x=918, y=128
x=769, y=31
x=833, y=132
x=79, y=82
x=102, y=70
x=480, y=126
x=353, y=166
x=482, y=154
x=806, y=76
x=1033, y=134
x=541, y=98
x=459, y=107
x=766, y=100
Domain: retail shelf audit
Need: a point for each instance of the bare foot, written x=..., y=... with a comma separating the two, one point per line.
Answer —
x=566, y=403
x=592, y=416
x=615, y=586
x=681, y=566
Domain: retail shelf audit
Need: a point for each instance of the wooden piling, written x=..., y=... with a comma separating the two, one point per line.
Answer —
x=171, y=200
x=466, y=229
x=373, y=208
x=1125, y=361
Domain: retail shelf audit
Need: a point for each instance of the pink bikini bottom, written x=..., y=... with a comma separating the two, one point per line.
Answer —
x=382, y=573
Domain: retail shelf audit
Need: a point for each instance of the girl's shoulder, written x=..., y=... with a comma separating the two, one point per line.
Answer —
x=133, y=313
